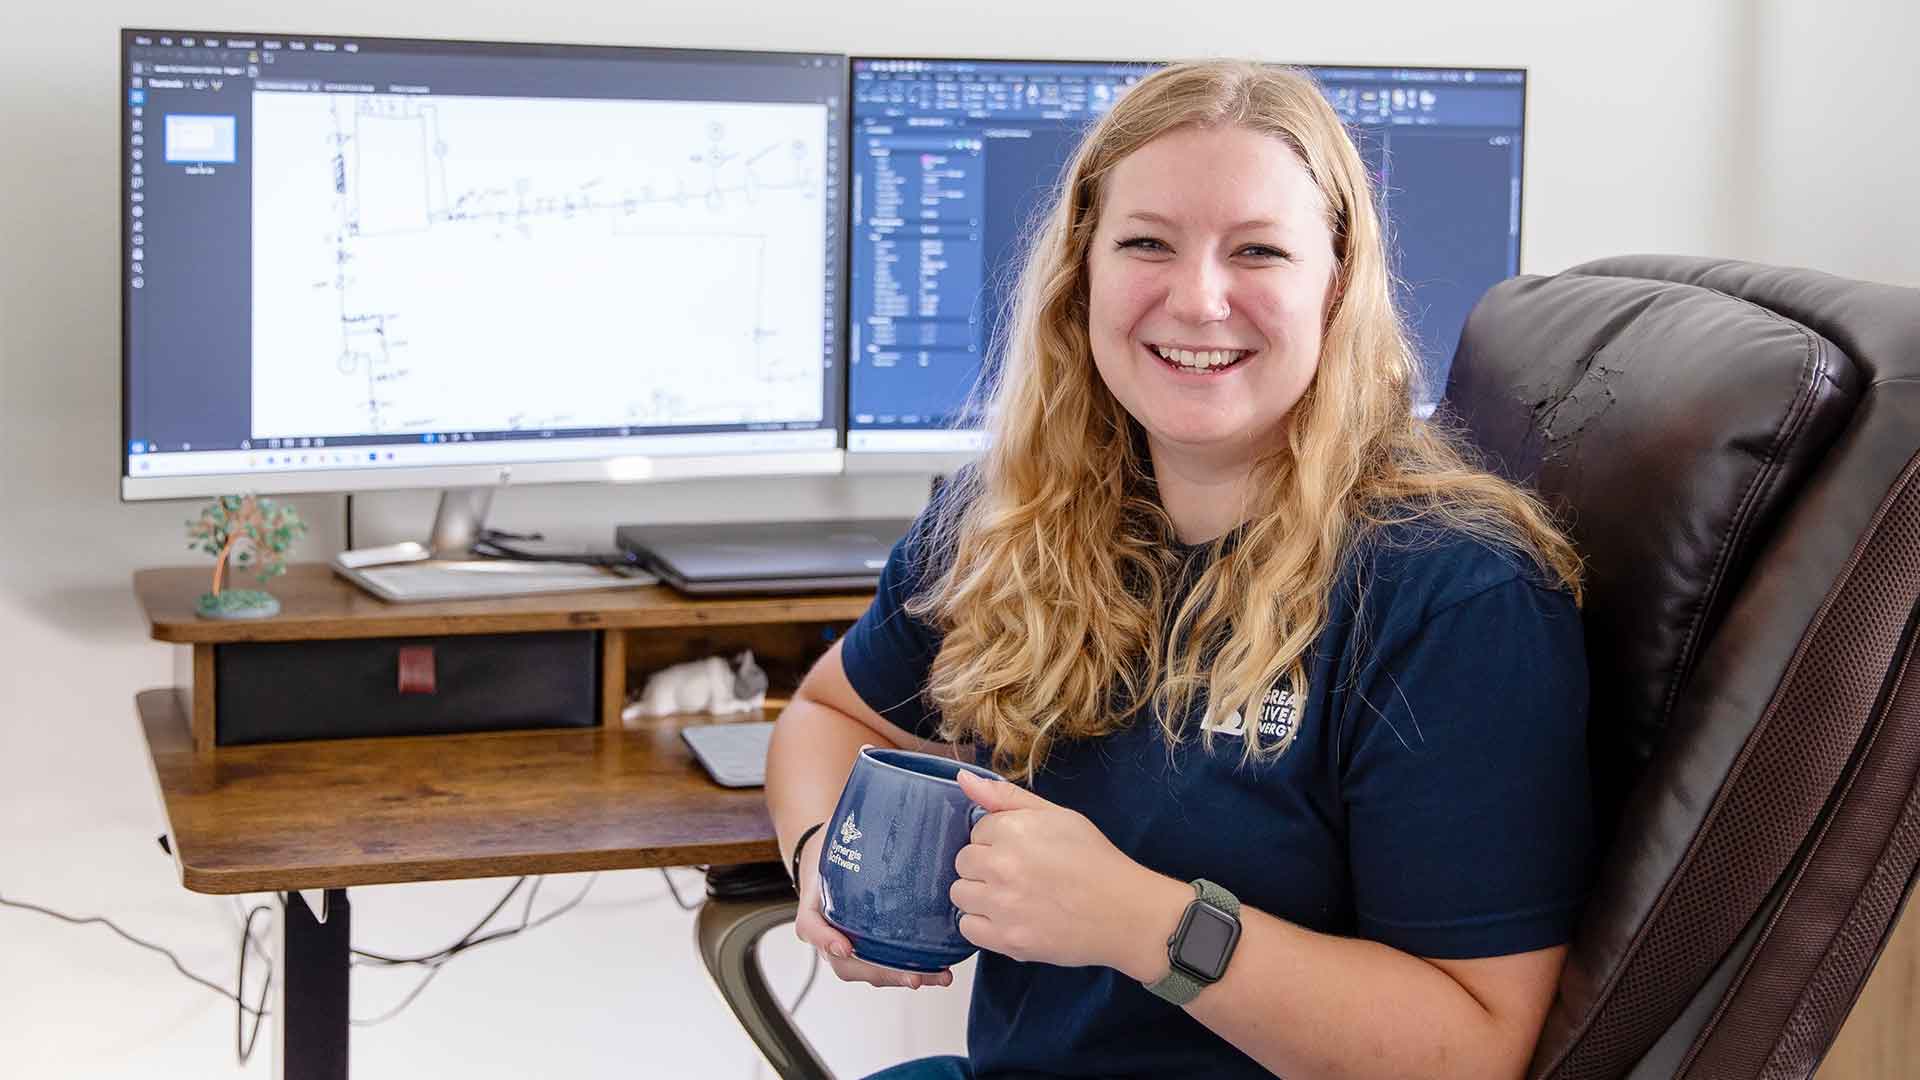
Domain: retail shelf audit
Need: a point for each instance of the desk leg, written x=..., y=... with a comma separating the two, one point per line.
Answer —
x=310, y=999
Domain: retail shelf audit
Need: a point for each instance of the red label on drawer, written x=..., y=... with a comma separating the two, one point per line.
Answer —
x=416, y=669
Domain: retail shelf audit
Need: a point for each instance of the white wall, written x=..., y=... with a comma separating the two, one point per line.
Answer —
x=1644, y=136
x=1835, y=167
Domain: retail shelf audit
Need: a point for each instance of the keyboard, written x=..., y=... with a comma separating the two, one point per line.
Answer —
x=735, y=755
x=482, y=579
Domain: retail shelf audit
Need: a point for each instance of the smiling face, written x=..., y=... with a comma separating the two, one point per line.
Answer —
x=1209, y=280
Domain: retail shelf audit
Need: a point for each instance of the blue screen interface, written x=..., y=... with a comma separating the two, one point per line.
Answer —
x=953, y=162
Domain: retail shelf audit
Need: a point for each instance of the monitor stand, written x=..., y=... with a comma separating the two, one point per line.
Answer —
x=458, y=520
x=445, y=568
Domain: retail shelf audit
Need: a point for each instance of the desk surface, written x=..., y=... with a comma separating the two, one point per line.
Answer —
x=317, y=604
x=344, y=812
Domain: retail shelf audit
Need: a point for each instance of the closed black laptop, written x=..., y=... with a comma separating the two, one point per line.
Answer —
x=766, y=556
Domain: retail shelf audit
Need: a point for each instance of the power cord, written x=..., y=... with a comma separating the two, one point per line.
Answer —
x=245, y=1041
x=244, y=1049
x=240, y=923
x=675, y=890
x=242, y=1044
x=813, y=972
x=495, y=544
x=467, y=940
x=144, y=944
x=436, y=960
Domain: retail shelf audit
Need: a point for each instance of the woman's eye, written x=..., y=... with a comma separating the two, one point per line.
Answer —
x=1262, y=251
x=1140, y=243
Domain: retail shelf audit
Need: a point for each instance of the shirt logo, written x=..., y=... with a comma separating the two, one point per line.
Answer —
x=849, y=832
x=1278, y=724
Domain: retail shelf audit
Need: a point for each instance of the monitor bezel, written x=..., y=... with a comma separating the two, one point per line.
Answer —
x=637, y=467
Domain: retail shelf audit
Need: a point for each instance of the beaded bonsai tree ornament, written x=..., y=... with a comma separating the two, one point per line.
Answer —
x=249, y=533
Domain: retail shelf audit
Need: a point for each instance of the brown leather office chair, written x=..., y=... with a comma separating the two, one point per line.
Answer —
x=1736, y=451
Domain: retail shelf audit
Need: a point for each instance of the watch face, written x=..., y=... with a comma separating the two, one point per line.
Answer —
x=1205, y=941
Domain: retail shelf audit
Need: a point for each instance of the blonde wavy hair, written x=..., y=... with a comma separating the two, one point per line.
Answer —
x=1054, y=577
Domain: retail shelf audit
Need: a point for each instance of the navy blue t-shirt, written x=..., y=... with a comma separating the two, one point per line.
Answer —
x=1434, y=796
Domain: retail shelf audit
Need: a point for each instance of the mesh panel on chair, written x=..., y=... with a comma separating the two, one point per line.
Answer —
x=1837, y=983
x=1765, y=811
x=1847, y=889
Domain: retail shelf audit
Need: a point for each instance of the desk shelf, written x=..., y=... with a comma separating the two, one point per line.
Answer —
x=639, y=630
x=334, y=813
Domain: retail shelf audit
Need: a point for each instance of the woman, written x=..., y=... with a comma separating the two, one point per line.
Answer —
x=1257, y=645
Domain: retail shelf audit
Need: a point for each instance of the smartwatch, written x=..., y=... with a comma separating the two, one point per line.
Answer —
x=1198, y=951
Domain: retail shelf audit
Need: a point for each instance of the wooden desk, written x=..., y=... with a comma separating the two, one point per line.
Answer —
x=325, y=815
x=330, y=814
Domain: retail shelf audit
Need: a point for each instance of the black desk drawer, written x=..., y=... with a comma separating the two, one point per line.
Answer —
x=275, y=691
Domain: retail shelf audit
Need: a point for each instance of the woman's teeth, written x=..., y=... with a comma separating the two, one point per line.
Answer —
x=1199, y=360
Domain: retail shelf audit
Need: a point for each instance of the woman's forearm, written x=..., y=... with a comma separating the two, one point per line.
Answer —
x=807, y=764
x=1308, y=1005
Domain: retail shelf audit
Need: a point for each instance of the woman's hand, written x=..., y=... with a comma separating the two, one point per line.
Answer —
x=813, y=928
x=1041, y=882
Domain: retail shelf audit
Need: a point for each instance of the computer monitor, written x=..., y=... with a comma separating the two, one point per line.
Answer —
x=356, y=263
x=953, y=160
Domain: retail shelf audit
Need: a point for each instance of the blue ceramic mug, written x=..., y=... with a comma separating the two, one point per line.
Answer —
x=886, y=867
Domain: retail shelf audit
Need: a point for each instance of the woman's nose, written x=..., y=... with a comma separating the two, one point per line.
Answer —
x=1197, y=292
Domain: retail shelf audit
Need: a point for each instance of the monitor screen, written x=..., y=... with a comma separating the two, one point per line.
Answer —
x=365, y=262
x=953, y=160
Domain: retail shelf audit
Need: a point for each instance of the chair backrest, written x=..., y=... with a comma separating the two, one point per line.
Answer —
x=1735, y=449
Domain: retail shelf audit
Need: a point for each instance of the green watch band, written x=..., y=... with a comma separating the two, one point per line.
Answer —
x=1180, y=984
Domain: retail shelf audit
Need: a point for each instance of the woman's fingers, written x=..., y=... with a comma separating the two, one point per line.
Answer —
x=810, y=926
x=813, y=928
x=854, y=970
x=972, y=861
x=970, y=897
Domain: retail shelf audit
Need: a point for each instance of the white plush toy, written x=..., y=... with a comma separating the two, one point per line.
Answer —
x=709, y=686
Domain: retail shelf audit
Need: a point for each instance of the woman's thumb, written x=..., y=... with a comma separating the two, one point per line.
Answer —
x=995, y=794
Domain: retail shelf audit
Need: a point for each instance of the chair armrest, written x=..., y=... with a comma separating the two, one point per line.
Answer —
x=729, y=932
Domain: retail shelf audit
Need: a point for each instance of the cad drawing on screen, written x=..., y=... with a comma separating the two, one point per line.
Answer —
x=523, y=264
